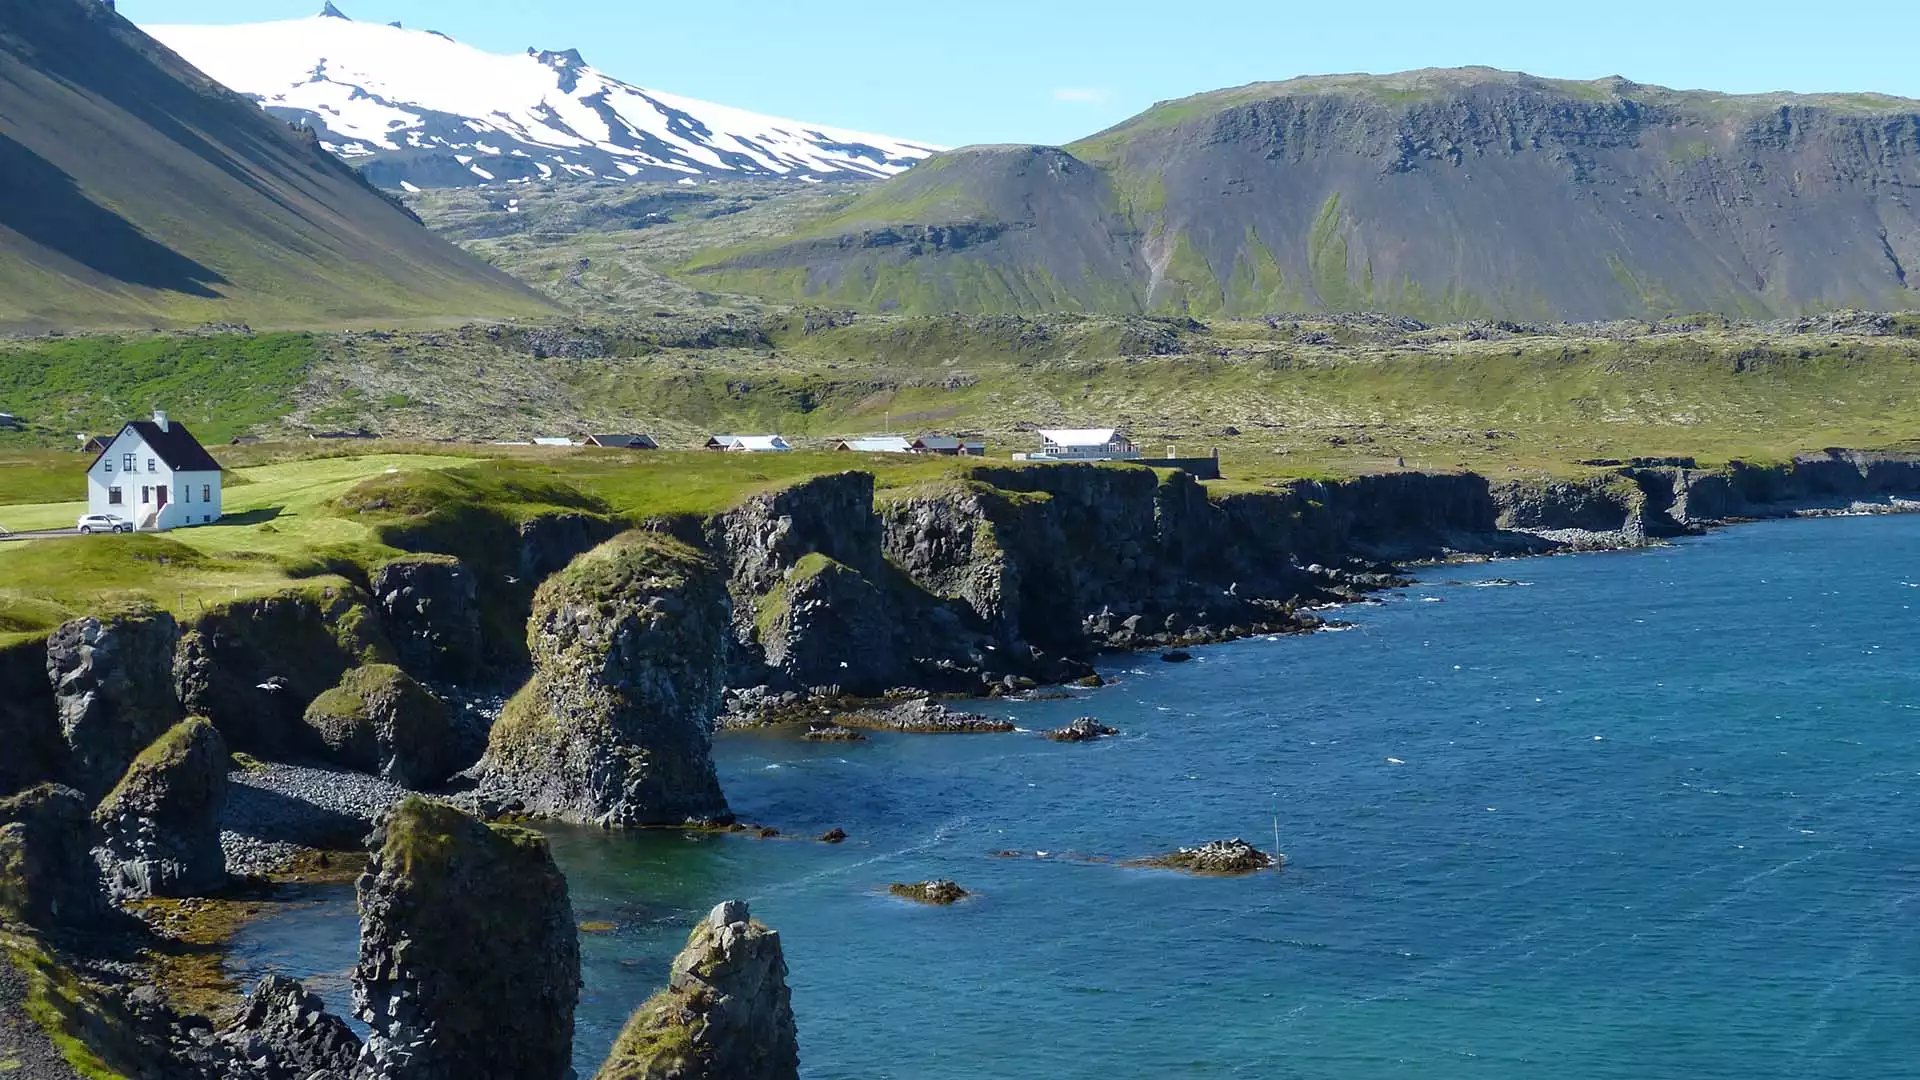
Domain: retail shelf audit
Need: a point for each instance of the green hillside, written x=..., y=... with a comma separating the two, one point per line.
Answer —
x=1437, y=194
x=140, y=193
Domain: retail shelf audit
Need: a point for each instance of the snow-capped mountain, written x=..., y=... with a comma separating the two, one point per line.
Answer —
x=416, y=109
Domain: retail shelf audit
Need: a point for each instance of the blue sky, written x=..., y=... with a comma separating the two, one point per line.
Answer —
x=1054, y=70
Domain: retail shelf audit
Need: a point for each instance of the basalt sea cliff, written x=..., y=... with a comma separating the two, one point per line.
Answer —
x=638, y=638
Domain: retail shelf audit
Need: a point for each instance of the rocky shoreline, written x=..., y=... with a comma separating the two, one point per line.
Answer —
x=817, y=606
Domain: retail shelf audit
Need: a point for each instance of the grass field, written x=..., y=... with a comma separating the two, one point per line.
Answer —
x=292, y=520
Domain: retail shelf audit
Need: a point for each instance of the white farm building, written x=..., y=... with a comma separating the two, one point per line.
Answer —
x=1084, y=444
x=155, y=474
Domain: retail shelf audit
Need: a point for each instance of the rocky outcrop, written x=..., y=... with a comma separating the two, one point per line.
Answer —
x=939, y=892
x=629, y=645
x=1085, y=729
x=1835, y=481
x=253, y=666
x=1597, y=511
x=113, y=690
x=47, y=875
x=160, y=826
x=29, y=720
x=726, y=1013
x=923, y=716
x=431, y=611
x=284, y=1032
x=380, y=721
x=807, y=571
x=1234, y=856
x=469, y=962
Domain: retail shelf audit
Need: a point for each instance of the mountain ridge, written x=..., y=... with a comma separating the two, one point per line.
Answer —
x=1442, y=194
x=142, y=193
x=417, y=109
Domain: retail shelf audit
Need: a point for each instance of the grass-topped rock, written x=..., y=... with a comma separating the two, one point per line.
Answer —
x=252, y=665
x=380, y=721
x=630, y=656
x=160, y=826
x=726, y=1014
x=469, y=961
x=47, y=878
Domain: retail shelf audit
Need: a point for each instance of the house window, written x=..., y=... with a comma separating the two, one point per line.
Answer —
x=206, y=492
x=113, y=496
x=129, y=462
x=186, y=493
x=152, y=466
x=146, y=495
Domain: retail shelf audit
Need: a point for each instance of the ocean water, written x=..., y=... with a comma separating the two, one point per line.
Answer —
x=1639, y=815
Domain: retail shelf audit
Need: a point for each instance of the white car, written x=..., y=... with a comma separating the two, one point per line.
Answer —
x=93, y=523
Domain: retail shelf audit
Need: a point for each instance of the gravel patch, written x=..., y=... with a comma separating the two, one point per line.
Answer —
x=305, y=806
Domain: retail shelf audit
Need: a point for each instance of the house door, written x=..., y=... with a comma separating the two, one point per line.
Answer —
x=160, y=496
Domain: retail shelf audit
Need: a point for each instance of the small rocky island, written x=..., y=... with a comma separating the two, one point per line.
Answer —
x=939, y=892
x=1223, y=857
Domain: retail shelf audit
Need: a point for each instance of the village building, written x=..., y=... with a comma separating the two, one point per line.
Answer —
x=877, y=444
x=94, y=444
x=623, y=442
x=949, y=446
x=156, y=475
x=925, y=444
x=1084, y=444
x=749, y=444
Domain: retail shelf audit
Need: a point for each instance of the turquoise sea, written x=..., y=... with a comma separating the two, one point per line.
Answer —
x=1648, y=815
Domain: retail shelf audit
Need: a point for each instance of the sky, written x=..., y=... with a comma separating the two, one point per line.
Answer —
x=1051, y=71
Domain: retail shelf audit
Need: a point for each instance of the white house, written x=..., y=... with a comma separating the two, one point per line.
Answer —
x=749, y=444
x=155, y=474
x=1084, y=444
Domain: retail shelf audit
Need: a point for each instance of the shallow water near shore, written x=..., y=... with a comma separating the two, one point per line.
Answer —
x=1635, y=815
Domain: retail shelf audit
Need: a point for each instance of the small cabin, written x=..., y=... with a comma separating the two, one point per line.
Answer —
x=156, y=475
x=1084, y=444
x=749, y=444
x=623, y=442
x=94, y=444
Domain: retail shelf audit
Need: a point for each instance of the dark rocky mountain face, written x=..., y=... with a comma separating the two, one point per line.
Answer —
x=1434, y=194
x=138, y=192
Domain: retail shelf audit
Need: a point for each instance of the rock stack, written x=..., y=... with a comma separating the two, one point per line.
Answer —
x=469, y=961
x=629, y=648
x=160, y=826
x=726, y=1014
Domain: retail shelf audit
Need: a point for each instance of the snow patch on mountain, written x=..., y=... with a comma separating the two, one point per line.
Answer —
x=415, y=108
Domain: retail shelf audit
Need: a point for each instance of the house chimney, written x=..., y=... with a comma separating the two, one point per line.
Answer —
x=160, y=419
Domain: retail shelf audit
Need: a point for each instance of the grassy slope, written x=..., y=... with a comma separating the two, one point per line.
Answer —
x=1316, y=396
x=146, y=195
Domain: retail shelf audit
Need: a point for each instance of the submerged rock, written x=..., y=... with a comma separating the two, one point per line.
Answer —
x=834, y=836
x=1176, y=656
x=726, y=1014
x=629, y=647
x=285, y=1032
x=1217, y=857
x=47, y=875
x=160, y=826
x=924, y=716
x=113, y=689
x=1085, y=729
x=379, y=721
x=469, y=961
x=940, y=892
